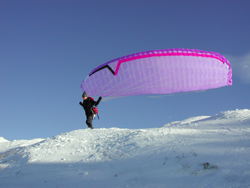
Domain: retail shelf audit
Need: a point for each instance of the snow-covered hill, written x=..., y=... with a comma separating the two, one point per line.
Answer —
x=198, y=152
x=3, y=140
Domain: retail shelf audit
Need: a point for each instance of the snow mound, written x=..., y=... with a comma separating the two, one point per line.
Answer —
x=232, y=116
x=204, y=151
x=3, y=140
x=228, y=117
x=186, y=121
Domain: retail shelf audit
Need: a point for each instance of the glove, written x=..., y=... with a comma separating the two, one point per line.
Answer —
x=98, y=101
x=80, y=103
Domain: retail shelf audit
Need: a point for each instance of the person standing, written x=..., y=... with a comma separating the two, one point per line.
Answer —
x=88, y=105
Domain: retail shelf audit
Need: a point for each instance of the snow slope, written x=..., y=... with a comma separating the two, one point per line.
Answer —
x=204, y=151
x=3, y=140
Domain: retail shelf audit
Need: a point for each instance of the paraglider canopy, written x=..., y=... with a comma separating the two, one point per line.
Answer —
x=159, y=72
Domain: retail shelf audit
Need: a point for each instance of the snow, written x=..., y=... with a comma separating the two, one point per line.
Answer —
x=204, y=151
x=3, y=140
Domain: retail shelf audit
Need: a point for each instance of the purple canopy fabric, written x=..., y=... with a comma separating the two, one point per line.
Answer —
x=159, y=72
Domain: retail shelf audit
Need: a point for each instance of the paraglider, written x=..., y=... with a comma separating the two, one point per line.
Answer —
x=159, y=72
x=89, y=105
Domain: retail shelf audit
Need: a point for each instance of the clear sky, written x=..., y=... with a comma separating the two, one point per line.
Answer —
x=48, y=47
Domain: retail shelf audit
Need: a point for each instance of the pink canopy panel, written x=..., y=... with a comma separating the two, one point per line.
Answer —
x=159, y=72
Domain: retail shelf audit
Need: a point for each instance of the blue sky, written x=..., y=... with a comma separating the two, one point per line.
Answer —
x=47, y=48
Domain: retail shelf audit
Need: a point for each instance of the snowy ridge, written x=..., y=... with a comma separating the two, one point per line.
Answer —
x=204, y=151
x=186, y=121
x=228, y=117
x=3, y=140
